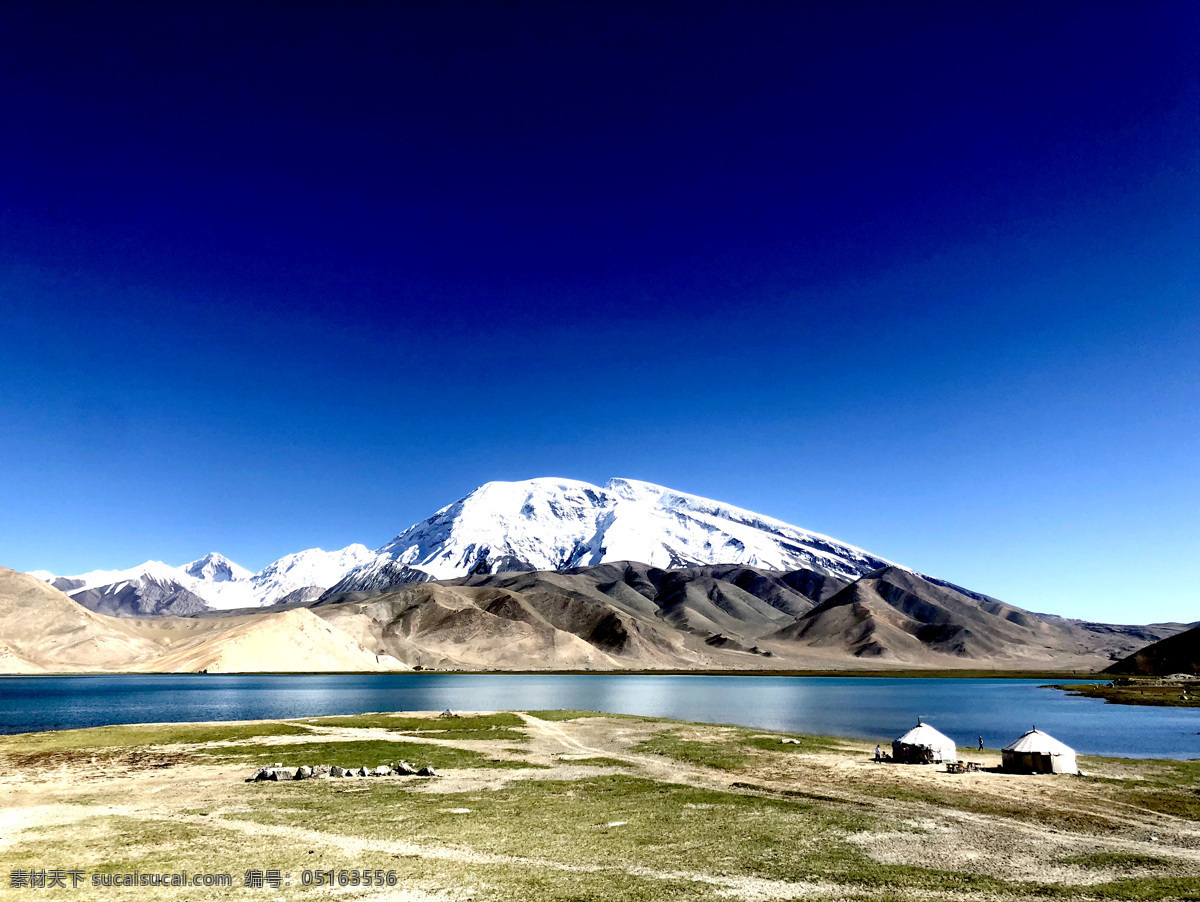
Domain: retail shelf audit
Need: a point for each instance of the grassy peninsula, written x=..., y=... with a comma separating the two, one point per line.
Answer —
x=572, y=805
x=1139, y=692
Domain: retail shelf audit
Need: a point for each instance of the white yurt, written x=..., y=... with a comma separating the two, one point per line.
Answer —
x=1038, y=753
x=924, y=745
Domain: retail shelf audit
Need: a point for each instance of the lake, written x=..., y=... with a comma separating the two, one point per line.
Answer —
x=857, y=707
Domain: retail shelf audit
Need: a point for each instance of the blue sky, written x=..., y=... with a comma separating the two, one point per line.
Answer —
x=924, y=279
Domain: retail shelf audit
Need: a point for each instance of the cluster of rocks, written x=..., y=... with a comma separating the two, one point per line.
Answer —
x=276, y=772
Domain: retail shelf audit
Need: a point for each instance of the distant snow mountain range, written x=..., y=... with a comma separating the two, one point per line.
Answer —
x=211, y=583
x=535, y=524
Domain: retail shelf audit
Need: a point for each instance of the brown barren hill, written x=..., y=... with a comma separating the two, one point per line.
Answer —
x=618, y=616
x=1175, y=654
x=42, y=630
x=895, y=616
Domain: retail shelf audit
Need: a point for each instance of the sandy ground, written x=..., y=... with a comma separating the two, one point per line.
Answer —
x=167, y=784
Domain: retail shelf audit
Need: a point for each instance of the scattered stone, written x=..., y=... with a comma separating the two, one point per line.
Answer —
x=278, y=772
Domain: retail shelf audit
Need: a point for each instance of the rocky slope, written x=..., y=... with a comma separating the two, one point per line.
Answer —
x=894, y=614
x=618, y=615
x=44, y=631
x=533, y=525
x=1175, y=654
x=709, y=617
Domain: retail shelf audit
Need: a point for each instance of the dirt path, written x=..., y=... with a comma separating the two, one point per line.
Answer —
x=742, y=887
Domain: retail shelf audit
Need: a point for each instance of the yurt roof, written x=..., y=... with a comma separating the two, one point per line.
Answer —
x=925, y=735
x=1038, y=743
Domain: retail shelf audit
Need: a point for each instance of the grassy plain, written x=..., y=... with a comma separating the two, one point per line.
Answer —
x=572, y=805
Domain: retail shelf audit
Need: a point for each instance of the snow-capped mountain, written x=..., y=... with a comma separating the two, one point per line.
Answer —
x=555, y=524
x=535, y=524
x=380, y=573
x=213, y=582
x=95, y=579
x=308, y=568
x=216, y=568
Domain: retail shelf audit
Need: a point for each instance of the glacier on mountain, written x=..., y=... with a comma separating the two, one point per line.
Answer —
x=220, y=583
x=216, y=568
x=556, y=524
x=534, y=524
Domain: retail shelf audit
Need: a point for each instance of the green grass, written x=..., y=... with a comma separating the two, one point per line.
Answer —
x=717, y=755
x=126, y=844
x=671, y=829
x=1163, y=787
x=575, y=715
x=133, y=745
x=805, y=744
x=738, y=749
x=1122, y=861
x=1158, y=696
x=139, y=735
x=356, y=753
x=1143, y=889
x=668, y=826
x=482, y=726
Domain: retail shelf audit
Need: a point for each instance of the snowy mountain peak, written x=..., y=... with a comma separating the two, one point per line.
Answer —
x=219, y=582
x=557, y=524
x=312, y=567
x=634, y=489
x=215, y=568
x=156, y=570
x=534, y=524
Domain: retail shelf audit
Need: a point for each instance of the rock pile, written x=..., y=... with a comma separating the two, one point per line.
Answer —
x=276, y=772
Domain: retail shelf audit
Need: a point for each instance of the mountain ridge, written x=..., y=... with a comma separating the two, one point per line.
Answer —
x=533, y=525
x=545, y=523
x=612, y=616
x=1171, y=655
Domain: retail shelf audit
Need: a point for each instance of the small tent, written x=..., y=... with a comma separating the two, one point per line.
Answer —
x=924, y=745
x=1038, y=753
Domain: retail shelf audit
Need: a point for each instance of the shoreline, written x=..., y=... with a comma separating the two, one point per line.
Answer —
x=899, y=673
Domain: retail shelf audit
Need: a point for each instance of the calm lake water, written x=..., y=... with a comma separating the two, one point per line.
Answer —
x=858, y=707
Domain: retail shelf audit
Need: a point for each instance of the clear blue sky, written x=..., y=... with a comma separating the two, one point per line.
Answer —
x=925, y=278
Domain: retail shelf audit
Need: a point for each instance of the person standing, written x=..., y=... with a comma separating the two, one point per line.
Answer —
x=878, y=753
x=981, y=743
